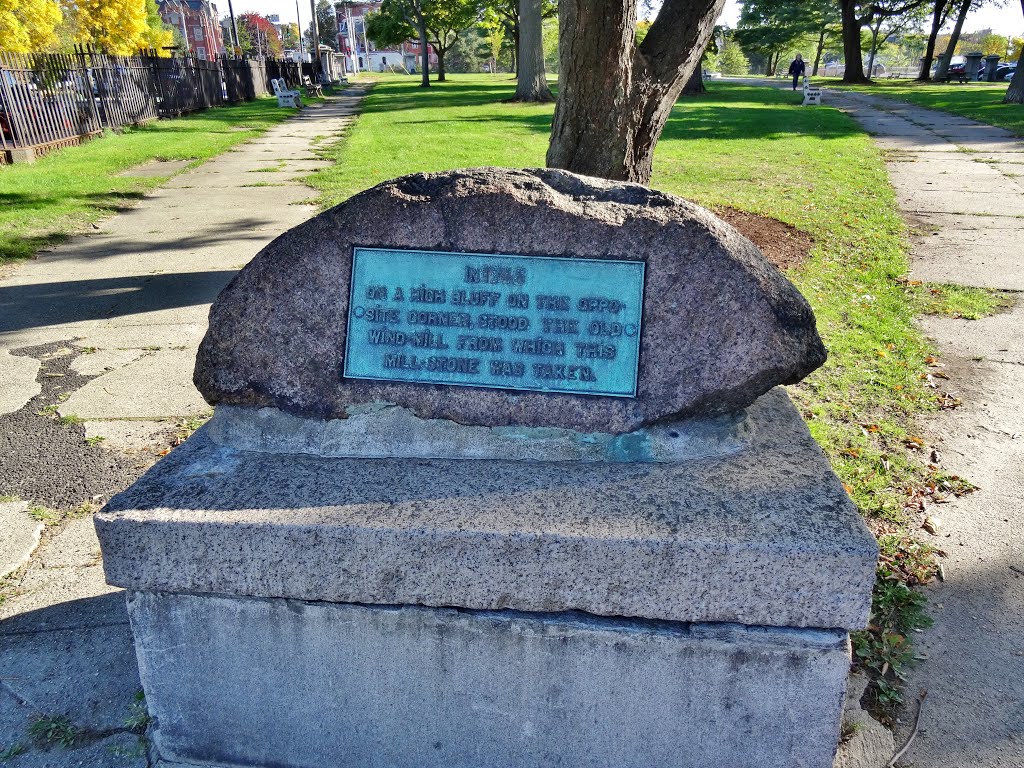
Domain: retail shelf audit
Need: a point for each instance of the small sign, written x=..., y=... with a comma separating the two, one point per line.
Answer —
x=507, y=322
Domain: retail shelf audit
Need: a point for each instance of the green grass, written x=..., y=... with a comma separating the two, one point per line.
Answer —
x=978, y=101
x=963, y=301
x=747, y=147
x=755, y=149
x=45, y=516
x=45, y=202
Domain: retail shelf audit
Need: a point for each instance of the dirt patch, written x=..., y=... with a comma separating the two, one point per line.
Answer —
x=784, y=245
x=47, y=462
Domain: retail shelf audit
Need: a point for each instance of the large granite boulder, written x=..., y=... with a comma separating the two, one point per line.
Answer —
x=721, y=326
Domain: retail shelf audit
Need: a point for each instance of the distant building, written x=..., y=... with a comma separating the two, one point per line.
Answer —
x=197, y=21
x=353, y=43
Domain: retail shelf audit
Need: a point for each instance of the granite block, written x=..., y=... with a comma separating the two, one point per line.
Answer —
x=763, y=536
x=290, y=684
x=720, y=324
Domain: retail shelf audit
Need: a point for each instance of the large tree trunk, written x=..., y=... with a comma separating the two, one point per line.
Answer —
x=1015, y=93
x=818, y=51
x=533, y=82
x=614, y=96
x=695, y=85
x=854, y=72
x=938, y=13
x=942, y=72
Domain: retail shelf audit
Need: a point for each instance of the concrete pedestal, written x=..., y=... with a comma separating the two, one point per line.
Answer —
x=297, y=610
x=247, y=681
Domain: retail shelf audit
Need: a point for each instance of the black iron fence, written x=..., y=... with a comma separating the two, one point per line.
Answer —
x=50, y=100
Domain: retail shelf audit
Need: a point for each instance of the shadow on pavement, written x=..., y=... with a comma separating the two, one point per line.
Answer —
x=74, y=660
x=58, y=303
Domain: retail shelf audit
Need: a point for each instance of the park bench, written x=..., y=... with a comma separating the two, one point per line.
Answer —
x=312, y=89
x=285, y=97
x=812, y=95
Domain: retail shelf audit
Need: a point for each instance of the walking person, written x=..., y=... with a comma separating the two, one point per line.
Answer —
x=797, y=69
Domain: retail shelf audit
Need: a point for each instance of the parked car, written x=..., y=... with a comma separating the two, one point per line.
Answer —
x=957, y=71
x=1006, y=70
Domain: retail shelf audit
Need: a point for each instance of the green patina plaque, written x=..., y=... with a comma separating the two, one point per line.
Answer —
x=486, y=320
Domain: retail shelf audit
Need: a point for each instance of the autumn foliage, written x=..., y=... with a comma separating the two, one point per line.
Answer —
x=263, y=37
x=116, y=26
x=28, y=25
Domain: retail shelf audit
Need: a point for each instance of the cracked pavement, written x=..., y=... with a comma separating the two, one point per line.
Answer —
x=97, y=343
x=960, y=186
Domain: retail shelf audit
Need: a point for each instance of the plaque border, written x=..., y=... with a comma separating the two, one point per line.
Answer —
x=356, y=249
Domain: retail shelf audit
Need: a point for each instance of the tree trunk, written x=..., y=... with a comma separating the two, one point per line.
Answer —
x=942, y=73
x=875, y=31
x=929, y=52
x=421, y=25
x=817, y=54
x=440, y=62
x=1015, y=93
x=614, y=97
x=517, y=38
x=533, y=82
x=695, y=85
x=851, y=43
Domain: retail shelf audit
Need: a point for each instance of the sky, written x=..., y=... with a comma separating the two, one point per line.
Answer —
x=1005, y=20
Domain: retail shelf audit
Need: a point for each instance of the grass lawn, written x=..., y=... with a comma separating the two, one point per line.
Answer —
x=751, y=148
x=45, y=202
x=978, y=101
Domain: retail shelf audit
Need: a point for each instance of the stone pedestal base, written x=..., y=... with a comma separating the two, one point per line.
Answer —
x=309, y=611
x=273, y=682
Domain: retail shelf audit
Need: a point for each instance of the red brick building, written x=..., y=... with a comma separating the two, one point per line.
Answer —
x=197, y=21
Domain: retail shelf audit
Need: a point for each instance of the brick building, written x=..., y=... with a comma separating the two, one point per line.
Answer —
x=197, y=21
x=353, y=43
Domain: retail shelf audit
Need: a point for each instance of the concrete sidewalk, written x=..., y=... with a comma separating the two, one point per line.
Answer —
x=105, y=328
x=960, y=186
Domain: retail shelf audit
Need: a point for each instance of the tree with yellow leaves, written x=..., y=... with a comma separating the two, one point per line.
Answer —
x=28, y=25
x=158, y=35
x=120, y=27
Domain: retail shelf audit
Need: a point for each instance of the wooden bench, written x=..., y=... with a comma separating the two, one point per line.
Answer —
x=312, y=89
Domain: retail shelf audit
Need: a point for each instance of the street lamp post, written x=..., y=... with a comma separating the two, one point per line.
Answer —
x=234, y=31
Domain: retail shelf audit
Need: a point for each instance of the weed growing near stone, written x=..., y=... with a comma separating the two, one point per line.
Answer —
x=45, y=516
x=50, y=730
x=896, y=611
x=138, y=717
x=11, y=751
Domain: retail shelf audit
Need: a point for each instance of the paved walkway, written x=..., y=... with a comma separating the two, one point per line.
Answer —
x=127, y=306
x=961, y=188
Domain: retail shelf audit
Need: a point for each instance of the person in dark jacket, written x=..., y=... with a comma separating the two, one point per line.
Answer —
x=797, y=69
